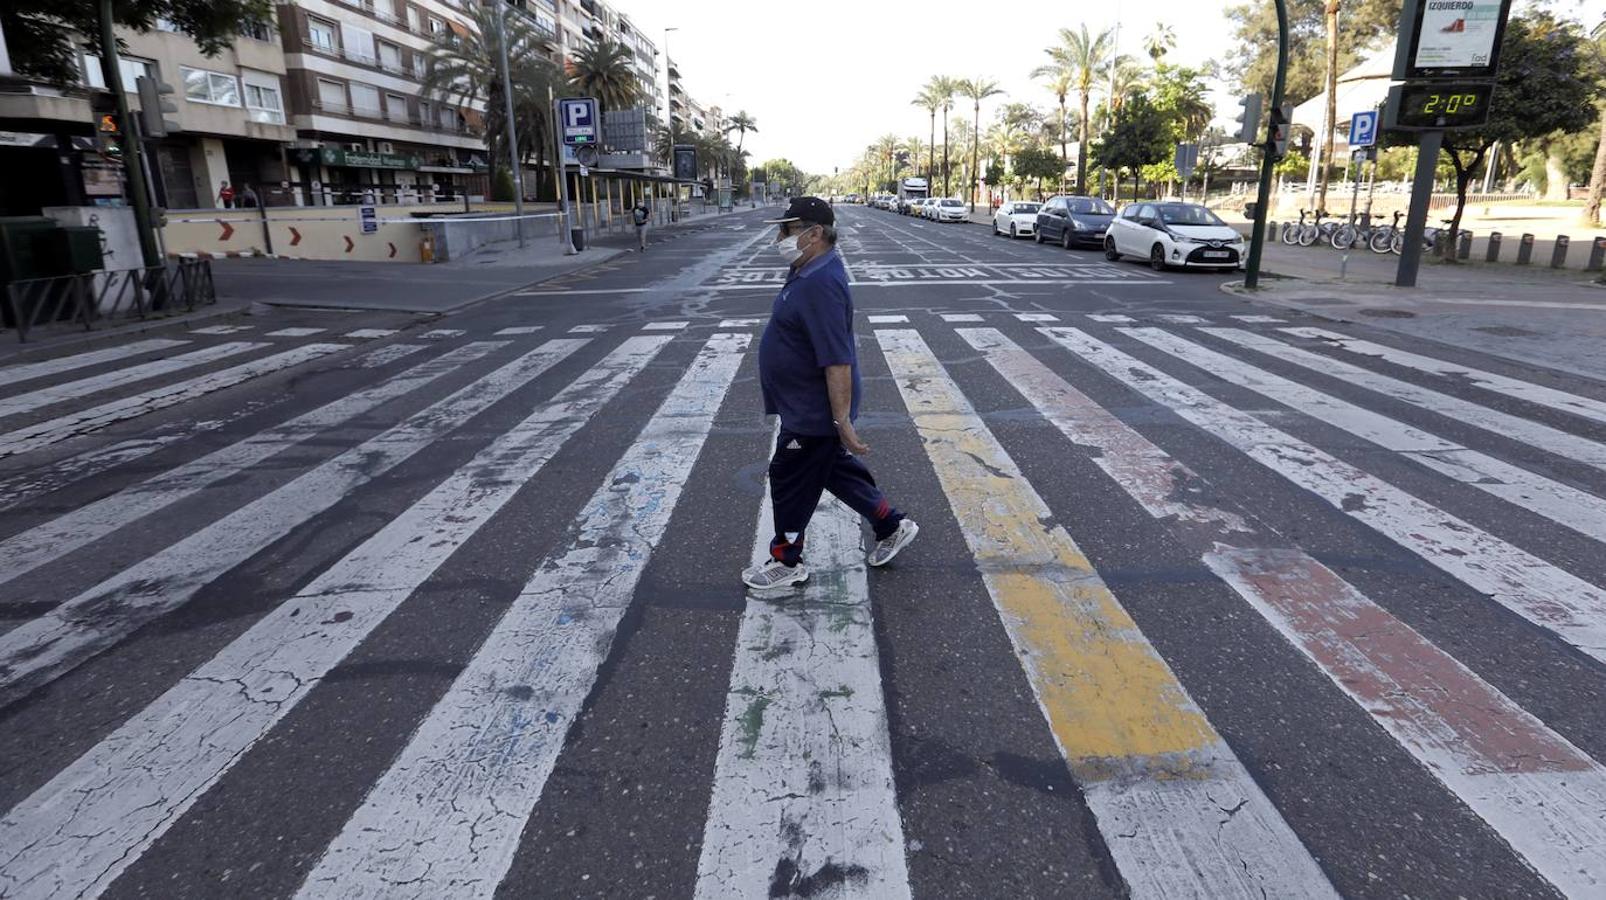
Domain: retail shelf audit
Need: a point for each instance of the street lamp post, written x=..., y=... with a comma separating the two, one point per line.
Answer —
x=512, y=132
x=669, y=102
x=1257, y=238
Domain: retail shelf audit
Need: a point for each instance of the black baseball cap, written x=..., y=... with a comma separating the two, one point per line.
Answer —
x=807, y=209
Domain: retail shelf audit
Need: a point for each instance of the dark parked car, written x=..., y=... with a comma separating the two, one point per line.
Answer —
x=1071, y=221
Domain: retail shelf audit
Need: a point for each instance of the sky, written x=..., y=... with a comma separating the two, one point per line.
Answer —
x=825, y=78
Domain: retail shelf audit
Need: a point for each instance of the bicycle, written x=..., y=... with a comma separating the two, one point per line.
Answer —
x=1290, y=232
x=1387, y=239
x=1317, y=230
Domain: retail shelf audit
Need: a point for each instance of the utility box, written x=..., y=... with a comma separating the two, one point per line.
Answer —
x=18, y=235
x=70, y=250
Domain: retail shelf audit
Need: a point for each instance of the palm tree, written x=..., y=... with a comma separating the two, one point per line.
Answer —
x=741, y=123
x=605, y=70
x=977, y=89
x=930, y=100
x=1597, y=176
x=1060, y=77
x=1330, y=12
x=1160, y=42
x=886, y=150
x=1080, y=55
x=945, y=88
x=916, y=148
x=465, y=69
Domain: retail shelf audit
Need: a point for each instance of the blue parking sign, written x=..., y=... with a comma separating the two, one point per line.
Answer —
x=1363, y=129
x=578, y=118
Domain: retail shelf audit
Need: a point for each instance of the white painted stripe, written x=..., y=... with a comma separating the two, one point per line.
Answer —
x=442, y=333
x=518, y=329
x=171, y=752
x=1178, y=319
x=665, y=326
x=803, y=778
x=1135, y=280
x=1260, y=319
x=960, y=317
x=1110, y=318
x=445, y=819
x=33, y=483
x=588, y=329
x=221, y=329
x=739, y=323
x=42, y=434
x=1552, y=440
x=1561, y=401
x=566, y=292
x=33, y=548
x=886, y=320
x=1086, y=659
x=1537, y=790
x=83, y=387
x=1530, y=587
x=43, y=648
x=1036, y=317
x=46, y=367
x=1557, y=502
x=297, y=332
x=371, y=333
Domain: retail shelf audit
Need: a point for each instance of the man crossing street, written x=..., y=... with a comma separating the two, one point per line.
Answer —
x=809, y=373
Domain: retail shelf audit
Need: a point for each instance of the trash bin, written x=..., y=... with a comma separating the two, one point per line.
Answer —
x=19, y=257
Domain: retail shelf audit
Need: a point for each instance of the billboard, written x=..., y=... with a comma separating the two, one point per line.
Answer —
x=1450, y=38
x=685, y=162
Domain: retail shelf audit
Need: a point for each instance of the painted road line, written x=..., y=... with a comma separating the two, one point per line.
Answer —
x=960, y=317
x=83, y=387
x=43, y=648
x=1545, y=595
x=588, y=329
x=886, y=320
x=371, y=333
x=803, y=780
x=1259, y=319
x=1036, y=317
x=439, y=333
x=296, y=332
x=1557, y=502
x=37, y=546
x=1111, y=318
x=739, y=323
x=48, y=367
x=1135, y=280
x=1527, y=431
x=222, y=329
x=1177, y=319
x=1550, y=398
x=445, y=819
x=1537, y=790
x=518, y=329
x=565, y=293
x=32, y=483
x=1156, y=775
x=171, y=752
x=42, y=434
x=665, y=326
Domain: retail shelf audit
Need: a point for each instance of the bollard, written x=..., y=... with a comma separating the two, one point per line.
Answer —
x=1463, y=248
x=1271, y=232
x=1525, y=250
x=1492, y=252
x=1558, y=254
x=1597, y=255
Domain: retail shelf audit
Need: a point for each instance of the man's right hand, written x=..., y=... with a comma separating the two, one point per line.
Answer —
x=850, y=439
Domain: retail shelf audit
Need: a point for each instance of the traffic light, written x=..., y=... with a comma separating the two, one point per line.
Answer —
x=109, y=137
x=1249, y=119
x=1281, y=126
x=152, y=106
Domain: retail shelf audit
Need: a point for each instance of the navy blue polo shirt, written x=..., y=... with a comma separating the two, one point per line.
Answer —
x=810, y=327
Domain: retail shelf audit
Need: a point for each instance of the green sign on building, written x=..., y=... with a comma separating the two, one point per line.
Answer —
x=332, y=156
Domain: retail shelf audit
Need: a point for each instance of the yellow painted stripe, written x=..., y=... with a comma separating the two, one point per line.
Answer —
x=1106, y=692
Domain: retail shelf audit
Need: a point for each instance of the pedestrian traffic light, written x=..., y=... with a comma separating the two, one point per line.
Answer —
x=108, y=137
x=1249, y=119
x=152, y=106
x=1281, y=127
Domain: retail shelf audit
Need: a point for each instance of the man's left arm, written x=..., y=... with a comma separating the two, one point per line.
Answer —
x=839, y=386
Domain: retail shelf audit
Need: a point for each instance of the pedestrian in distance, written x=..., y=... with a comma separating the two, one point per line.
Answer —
x=225, y=196
x=808, y=371
x=249, y=199
x=640, y=215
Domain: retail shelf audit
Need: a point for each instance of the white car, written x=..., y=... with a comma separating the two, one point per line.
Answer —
x=1174, y=234
x=1017, y=218
x=923, y=210
x=949, y=210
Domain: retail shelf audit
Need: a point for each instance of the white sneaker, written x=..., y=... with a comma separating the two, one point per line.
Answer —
x=888, y=547
x=774, y=574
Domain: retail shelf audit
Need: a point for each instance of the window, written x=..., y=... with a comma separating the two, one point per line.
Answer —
x=321, y=34
x=448, y=118
x=129, y=67
x=262, y=101
x=332, y=95
x=436, y=25
x=390, y=57
x=1130, y=213
x=412, y=19
x=201, y=86
x=395, y=107
x=364, y=100
x=256, y=29
x=358, y=43
x=423, y=112
x=165, y=25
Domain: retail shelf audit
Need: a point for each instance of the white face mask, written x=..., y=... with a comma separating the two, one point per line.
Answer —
x=788, y=249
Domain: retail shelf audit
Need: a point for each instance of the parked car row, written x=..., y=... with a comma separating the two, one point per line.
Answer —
x=1165, y=234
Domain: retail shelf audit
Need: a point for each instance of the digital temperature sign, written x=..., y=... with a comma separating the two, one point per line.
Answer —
x=1438, y=106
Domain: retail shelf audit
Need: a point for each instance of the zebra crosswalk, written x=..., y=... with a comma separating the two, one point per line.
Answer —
x=1472, y=487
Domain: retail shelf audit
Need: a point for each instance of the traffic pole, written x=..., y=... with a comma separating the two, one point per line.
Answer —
x=1416, y=219
x=1257, y=238
x=134, y=161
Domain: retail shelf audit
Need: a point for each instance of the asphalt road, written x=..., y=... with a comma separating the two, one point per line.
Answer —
x=1209, y=599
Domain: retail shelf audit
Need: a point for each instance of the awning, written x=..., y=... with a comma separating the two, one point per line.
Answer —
x=474, y=118
x=458, y=29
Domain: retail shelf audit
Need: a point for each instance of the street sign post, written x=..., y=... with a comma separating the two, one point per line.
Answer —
x=578, y=116
x=369, y=218
x=579, y=127
x=1363, y=129
x=1186, y=160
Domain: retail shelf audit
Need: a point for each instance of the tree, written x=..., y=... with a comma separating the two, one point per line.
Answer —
x=1330, y=16
x=42, y=35
x=741, y=123
x=931, y=100
x=1081, y=55
x=945, y=89
x=1061, y=75
x=1549, y=81
x=917, y=148
x=1255, y=21
x=1140, y=136
x=1597, y=176
x=605, y=70
x=1035, y=162
x=1161, y=40
x=977, y=89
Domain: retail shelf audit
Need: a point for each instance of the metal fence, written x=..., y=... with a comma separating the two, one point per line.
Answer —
x=84, y=300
